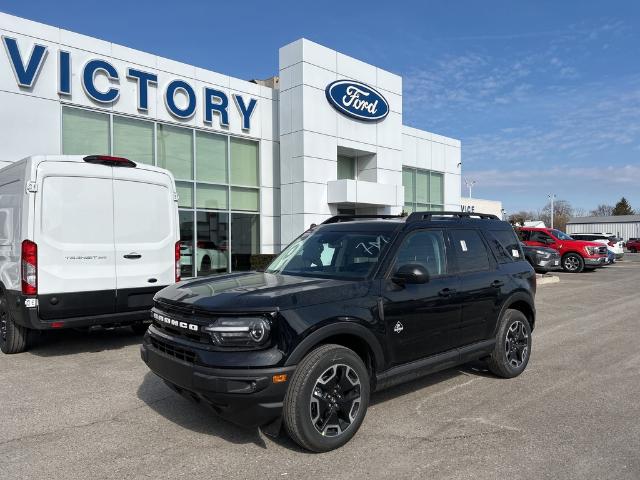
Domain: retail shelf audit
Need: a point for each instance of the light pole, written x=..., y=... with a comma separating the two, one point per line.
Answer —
x=552, y=197
x=469, y=183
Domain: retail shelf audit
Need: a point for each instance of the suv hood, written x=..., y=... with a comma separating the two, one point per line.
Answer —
x=253, y=291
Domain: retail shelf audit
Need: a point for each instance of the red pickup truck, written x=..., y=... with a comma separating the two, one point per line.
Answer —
x=633, y=245
x=577, y=255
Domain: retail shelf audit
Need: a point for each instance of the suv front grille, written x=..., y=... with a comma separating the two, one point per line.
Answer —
x=602, y=250
x=183, y=354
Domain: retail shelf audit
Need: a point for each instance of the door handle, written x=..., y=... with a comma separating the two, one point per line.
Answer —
x=447, y=292
x=497, y=283
x=132, y=256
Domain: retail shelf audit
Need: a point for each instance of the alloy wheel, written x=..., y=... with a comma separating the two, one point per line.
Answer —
x=571, y=263
x=335, y=400
x=517, y=344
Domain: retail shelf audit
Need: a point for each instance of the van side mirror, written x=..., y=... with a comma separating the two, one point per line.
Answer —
x=410, y=273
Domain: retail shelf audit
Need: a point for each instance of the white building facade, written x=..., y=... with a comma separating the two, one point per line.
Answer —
x=255, y=162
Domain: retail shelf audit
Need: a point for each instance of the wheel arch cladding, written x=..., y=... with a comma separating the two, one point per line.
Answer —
x=349, y=335
x=525, y=307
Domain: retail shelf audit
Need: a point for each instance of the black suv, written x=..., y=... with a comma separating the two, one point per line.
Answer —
x=351, y=306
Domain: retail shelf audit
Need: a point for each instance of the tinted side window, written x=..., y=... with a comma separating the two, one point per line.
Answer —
x=537, y=236
x=505, y=245
x=425, y=247
x=523, y=235
x=470, y=251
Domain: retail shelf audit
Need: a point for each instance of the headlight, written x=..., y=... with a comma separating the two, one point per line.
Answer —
x=591, y=250
x=239, y=331
x=543, y=253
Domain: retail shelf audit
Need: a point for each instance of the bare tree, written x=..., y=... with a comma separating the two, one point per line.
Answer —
x=602, y=210
x=518, y=218
x=563, y=211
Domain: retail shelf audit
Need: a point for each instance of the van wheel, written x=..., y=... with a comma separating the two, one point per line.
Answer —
x=572, y=263
x=327, y=399
x=511, y=354
x=13, y=337
x=139, y=328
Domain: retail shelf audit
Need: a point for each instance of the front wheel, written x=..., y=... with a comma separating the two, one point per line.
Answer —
x=572, y=263
x=511, y=354
x=13, y=337
x=327, y=399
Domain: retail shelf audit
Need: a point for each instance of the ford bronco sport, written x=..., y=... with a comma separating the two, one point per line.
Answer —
x=351, y=306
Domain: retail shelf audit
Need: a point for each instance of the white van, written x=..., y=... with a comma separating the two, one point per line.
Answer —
x=84, y=241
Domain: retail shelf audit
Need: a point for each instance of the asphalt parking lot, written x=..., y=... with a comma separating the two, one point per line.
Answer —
x=85, y=406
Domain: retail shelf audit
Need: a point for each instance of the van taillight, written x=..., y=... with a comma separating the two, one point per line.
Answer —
x=29, y=268
x=177, y=259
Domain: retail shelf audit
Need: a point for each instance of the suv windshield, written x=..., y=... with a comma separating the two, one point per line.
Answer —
x=561, y=235
x=337, y=254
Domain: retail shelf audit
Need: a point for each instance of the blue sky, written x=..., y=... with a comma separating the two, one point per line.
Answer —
x=544, y=95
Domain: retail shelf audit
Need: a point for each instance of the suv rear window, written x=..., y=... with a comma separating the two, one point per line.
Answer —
x=505, y=245
x=470, y=251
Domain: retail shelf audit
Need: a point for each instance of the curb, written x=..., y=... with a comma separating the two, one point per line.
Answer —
x=544, y=279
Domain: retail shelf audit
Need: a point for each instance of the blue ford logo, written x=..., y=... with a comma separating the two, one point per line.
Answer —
x=357, y=100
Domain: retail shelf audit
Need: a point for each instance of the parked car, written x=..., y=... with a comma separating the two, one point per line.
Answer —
x=542, y=259
x=84, y=241
x=351, y=306
x=613, y=243
x=211, y=258
x=633, y=245
x=577, y=255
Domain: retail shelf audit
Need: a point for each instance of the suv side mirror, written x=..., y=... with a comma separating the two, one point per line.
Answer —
x=549, y=241
x=410, y=273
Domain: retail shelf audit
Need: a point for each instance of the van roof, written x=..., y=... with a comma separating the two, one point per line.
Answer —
x=36, y=159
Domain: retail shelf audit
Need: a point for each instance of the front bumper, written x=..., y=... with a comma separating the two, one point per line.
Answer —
x=595, y=261
x=247, y=397
x=548, y=264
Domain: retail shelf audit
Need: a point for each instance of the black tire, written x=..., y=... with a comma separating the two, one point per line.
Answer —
x=632, y=250
x=308, y=394
x=205, y=266
x=139, y=328
x=14, y=338
x=572, y=263
x=511, y=353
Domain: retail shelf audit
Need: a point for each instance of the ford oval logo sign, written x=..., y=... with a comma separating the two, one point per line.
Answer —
x=357, y=100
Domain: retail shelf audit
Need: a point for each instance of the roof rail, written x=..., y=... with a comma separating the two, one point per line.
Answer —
x=418, y=216
x=351, y=218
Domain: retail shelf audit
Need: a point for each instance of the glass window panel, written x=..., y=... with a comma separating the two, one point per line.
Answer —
x=426, y=248
x=84, y=132
x=211, y=157
x=212, y=244
x=422, y=186
x=186, y=243
x=471, y=253
x=244, y=199
x=185, y=194
x=436, y=208
x=408, y=181
x=244, y=162
x=245, y=239
x=436, y=188
x=211, y=196
x=175, y=151
x=133, y=139
x=346, y=168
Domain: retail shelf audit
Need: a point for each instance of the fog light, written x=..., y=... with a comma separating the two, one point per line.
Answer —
x=280, y=378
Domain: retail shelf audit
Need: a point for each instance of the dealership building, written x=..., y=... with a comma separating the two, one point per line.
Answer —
x=255, y=162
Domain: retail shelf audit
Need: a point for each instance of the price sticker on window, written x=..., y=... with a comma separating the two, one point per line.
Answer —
x=463, y=245
x=515, y=253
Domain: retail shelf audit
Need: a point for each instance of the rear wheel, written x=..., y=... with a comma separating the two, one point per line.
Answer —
x=13, y=337
x=327, y=399
x=513, y=345
x=572, y=263
x=205, y=267
x=632, y=250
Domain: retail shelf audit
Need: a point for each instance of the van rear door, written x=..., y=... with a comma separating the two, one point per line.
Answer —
x=145, y=232
x=73, y=228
